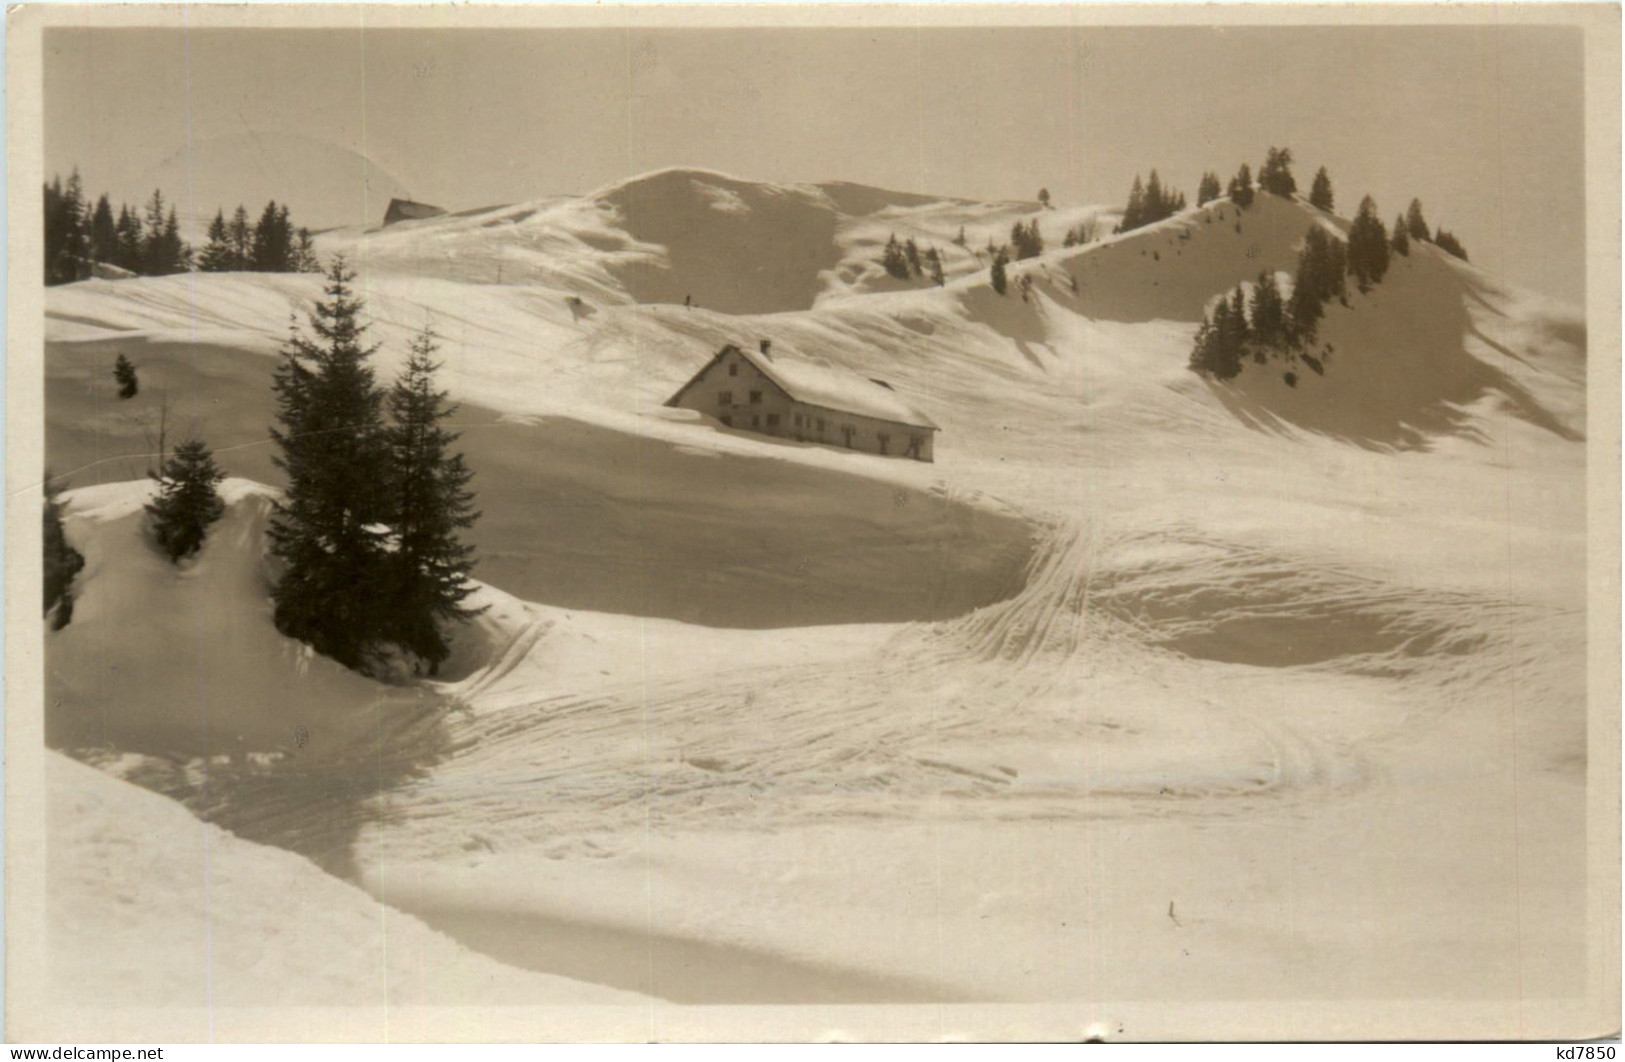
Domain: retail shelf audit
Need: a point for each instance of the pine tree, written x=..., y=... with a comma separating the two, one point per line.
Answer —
x=1043, y=198
x=430, y=564
x=1268, y=312
x=67, y=231
x=188, y=500
x=1000, y=279
x=1134, y=212
x=1241, y=187
x=124, y=374
x=933, y=264
x=1026, y=240
x=1368, y=246
x=911, y=252
x=1322, y=264
x=894, y=260
x=241, y=238
x=1320, y=192
x=103, y=232
x=216, y=256
x=1416, y=226
x=305, y=260
x=1208, y=189
x=76, y=229
x=1219, y=342
x=960, y=239
x=131, y=241
x=1275, y=176
x=178, y=256
x=1447, y=242
x=62, y=561
x=328, y=531
x=53, y=230
x=154, y=252
x=1240, y=331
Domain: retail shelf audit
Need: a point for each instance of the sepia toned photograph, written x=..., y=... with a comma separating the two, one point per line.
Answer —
x=813, y=523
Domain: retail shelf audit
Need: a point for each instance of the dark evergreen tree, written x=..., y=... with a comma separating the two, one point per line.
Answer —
x=216, y=256
x=188, y=500
x=155, y=252
x=1134, y=213
x=124, y=375
x=911, y=252
x=1208, y=189
x=329, y=531
x=305, y=260
x=54, y=234
x=933, y=265
x=1368, y=246
x=62, y=561
x=67, y=231
x=1275, y=176
x=1219, y=342
x=1415, y=224
x=1400, y=241
x=1320, y=192
x=1043, y=198
x=240, y=235
x=1026, y=240
x=894, y=259
x=131, y=240
x=103, y=232
x=430, y=564
x=1446, y=241
x=960, y=239
x=1268, y=312
x=270, y=250
x=1241, y=187
x=1000, y=280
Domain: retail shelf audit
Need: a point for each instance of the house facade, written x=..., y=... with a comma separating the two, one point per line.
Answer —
x=789, y=398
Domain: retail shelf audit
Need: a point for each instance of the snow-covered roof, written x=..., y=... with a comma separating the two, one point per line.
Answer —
x=828, y=386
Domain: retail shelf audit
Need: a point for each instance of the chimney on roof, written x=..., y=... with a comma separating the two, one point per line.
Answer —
x=767, y=348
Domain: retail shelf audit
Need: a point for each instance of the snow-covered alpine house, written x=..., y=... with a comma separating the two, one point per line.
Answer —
x=796, y=399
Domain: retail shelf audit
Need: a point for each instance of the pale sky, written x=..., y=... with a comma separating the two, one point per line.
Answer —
x=1484, y=124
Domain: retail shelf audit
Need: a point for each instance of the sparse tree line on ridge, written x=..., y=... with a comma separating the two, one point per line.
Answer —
x=147, y=241
x=1238, y=325
x=369, y=530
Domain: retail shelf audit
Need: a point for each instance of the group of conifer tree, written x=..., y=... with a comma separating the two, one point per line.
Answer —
x=272, y=245
x=79, y=234
x=1239, y=325
x=369, y=529
x=147, y=240
x=1149, y=203
x=905, y=260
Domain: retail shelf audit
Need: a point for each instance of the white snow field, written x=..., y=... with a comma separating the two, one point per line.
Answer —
x=1149, y=690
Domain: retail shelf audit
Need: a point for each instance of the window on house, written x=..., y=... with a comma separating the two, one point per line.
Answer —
x=733, y=369
x=820, y=423
x=884, y=441
x=756, y=420
x=847, y=430
x=755, y=398
x=725, y=398
x=914, y=444
x=727, y=421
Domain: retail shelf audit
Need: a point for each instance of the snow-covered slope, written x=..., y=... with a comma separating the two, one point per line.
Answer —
x=150, y=908
x=1131, y=630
